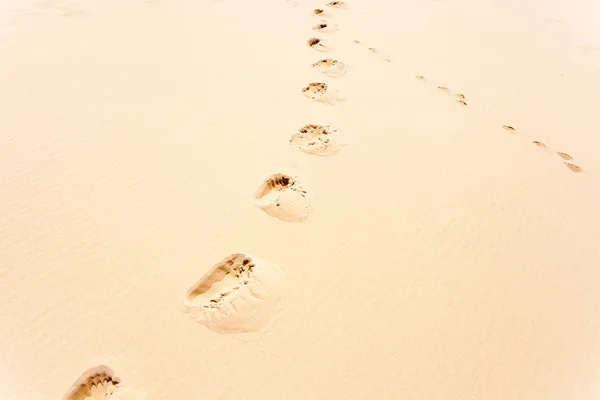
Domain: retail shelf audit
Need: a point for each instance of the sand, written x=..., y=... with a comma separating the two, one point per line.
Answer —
x=438, y=255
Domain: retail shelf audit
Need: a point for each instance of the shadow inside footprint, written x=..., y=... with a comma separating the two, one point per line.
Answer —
x=283, y=197
x=317, y=139
x=101, y=383
x=240, y=294
x=330, y=67
x=321, y=92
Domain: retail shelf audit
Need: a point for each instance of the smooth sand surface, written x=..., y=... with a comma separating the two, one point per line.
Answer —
x=444, y=258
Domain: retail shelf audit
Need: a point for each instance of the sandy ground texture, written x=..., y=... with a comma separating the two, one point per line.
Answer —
x=240, y=200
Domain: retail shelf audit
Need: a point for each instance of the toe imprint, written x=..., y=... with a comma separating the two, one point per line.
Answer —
x=317, y=139
x=100, y=383
x=564, y=156
x=282, y=196
x=573, y=167
x=240, y=294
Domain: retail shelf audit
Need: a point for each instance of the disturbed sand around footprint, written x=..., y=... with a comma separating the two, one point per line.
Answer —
x=317, y=139
x=284, y=197
x=241, y=294
x=331, y=67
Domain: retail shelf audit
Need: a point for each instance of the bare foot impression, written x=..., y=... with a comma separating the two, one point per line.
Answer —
x=462, y=103
x=319, y=91
x=573, y=167
x=317, y=139
x=330, y=67
x=317, y=44
x=539, y=144
x=239, y=295
x=101, y=383
x=508, y=128
x=337, y=4
x=564, y=156
x=325, y=27
x=319, y=12
x=284, y=197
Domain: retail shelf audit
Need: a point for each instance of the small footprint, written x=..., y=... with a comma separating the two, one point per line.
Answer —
x=421, y=78
x=319, y=91
x=330, y=67
x=317, y=44
x=460, y=96
x=462, y=103
x=573, y=167
x=508, y=128
x=284, y=197
x=374, y=50
x=238, y=295
x=337, y=4
x=444, y=89
x=101, y=383
x=539, y=144
x=564, y=156
x=325, y=27
x=317, y=139
x=319, y=12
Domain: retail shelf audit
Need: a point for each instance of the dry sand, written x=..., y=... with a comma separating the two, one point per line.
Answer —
x=443, y=256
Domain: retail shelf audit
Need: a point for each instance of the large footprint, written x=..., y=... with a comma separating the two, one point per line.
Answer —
x=240, y=294
x=321, y=92
x=101, y=383
x=317, y=139
x=331, y=67
x=284, y=197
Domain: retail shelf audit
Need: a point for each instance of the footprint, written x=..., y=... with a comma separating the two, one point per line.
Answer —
x=539, y=144
x=337, y=4
x=444, y=89
x=239, y=295
x=421, y=78
x=330, y=67
x=101, y=383
x=460, y=96
x=573, y=167
x=319, y=91
x=319, y=12
x=282, y=196
x=508, y=128
x=564, y=156
x=325, y=27
x=462, y=103
x=317, y=139
x=317, y=44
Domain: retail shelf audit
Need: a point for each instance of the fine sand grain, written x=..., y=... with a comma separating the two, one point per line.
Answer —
x=190, y=211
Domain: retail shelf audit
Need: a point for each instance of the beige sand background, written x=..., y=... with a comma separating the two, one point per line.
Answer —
x=445, y=258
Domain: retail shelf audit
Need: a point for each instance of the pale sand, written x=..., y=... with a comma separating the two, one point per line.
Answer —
x=444, y=257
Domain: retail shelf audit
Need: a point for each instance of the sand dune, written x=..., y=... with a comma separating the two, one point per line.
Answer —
x=416, y=185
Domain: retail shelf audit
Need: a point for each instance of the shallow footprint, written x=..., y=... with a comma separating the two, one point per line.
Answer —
x=421, y=78
x=101, y=383
x=284, y=197
x=573, y=167
x=317, y=139
x=239, y=295
x=564, y=156
x=337, y=4
x=330, y=67
x=539, y=144
x=317, y=44
x=325, y=27
x=319, y=12
x=508, y=128
x=319, y=91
